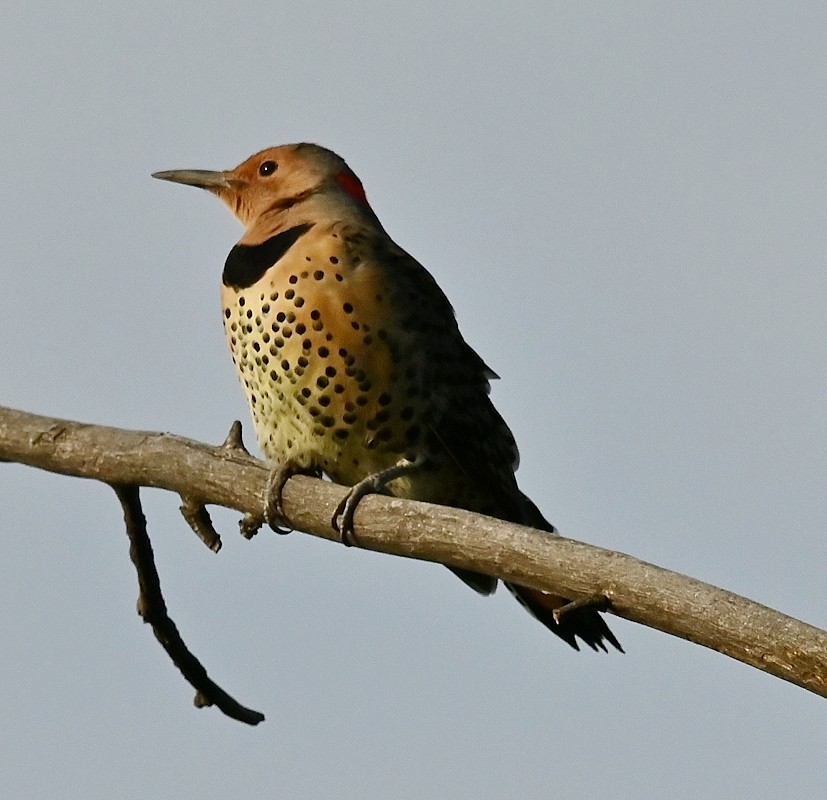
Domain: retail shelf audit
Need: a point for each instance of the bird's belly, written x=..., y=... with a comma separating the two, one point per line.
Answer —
x=324, y=386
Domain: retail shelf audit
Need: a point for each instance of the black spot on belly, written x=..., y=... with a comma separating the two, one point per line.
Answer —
x=247, y=263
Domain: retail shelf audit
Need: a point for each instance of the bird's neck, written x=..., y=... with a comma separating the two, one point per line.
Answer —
x=313, y=208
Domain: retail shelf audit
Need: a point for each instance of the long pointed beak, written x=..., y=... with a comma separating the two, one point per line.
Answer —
x=202, y=178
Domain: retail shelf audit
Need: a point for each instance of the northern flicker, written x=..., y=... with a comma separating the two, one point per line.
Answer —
x=352, y=361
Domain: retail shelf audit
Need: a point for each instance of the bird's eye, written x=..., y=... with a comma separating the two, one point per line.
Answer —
x=267, y=168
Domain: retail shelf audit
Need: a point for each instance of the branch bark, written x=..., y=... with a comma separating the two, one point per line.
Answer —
x=636, y=590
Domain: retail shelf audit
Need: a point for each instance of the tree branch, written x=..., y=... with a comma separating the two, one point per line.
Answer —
x=635, y=590
x=153, y=609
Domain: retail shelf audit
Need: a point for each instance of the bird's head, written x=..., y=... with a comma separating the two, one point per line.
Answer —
x=279, y=181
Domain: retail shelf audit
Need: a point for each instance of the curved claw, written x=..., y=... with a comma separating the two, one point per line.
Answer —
x=342, y=521
x=274, y=514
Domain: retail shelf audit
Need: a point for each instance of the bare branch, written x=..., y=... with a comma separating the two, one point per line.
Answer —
x=153, y=609
x=636, y=590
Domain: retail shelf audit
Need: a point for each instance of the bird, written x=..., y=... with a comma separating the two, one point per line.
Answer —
x=353, y=363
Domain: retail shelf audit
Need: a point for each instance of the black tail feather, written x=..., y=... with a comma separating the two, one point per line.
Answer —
x=585, y=623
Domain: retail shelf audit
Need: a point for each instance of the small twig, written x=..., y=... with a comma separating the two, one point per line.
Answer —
x=250, y=523
x=599, y=602
x=198, y=518
x=234, y=439
x=153, y=610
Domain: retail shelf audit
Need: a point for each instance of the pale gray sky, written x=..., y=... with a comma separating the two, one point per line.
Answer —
x=626, y=205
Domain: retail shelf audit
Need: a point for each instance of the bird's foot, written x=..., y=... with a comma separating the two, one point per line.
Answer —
x=274, y=514
x=273, y=511
x=342, y=521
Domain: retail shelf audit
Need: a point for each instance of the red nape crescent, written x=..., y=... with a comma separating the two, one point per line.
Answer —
x=353, y=186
